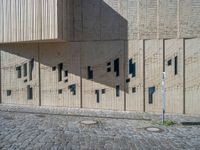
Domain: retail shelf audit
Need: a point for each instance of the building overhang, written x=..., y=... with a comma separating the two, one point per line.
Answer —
x=33, y=21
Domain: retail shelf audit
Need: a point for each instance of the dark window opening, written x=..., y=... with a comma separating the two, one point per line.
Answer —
x=132, y=68
x=29, y=92
x=31, y=66
x=134, y=90
x=117, y=91
x=97, y=96
x=66, y=73
x=103, y=91
x=25, y=80
x=169, y=62
x=109, y=69
x=66, y=80
x=72, y=89
x=54, y=68
x=25, y=69
x=151, y=92
x=127, y=80
x=9, y=92
x=90, y=73
x=116, y=66
x=60, y=91
x=19, y=71
x=60, y=67
x=109, y=63
x=176, y=65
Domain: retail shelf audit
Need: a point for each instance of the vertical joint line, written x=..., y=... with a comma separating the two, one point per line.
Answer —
x=163, y=55
x=183, y=76
x=39, y=74
x=81, y=79
x=125, y=74
x=144, y=107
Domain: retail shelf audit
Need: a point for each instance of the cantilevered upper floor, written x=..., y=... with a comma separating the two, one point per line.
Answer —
x=32, y=20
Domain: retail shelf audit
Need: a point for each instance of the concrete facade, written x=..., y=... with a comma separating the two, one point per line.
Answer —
x=106, y=54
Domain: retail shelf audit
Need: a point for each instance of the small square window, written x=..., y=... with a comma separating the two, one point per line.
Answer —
x=169, y=62
x=108, y=69
x=103, y=91
x=60, y=91
x=127, y=80
x=66, y=80
x=9, y=92
x=25, y=80
x=134, y=90
x=109, y=63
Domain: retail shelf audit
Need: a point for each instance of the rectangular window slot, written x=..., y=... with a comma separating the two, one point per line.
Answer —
x=116, y=66
x=151, y=92
x=117, y=91
x=66, y=80
x=109, y=63
x=19, y=71
x=60, y=91
x=90, y=73
x=134, y=90
x=103, y=91
x=60, y=67
x=132, y=68
x=9, y=92
x=54, y=68
x=176, y=65
x=169, y=62
x=66, y=73
x=97, y=95
x=72, y=89
x=25, y=69
x=31, y=66
x=29, y=92
x=25, y=80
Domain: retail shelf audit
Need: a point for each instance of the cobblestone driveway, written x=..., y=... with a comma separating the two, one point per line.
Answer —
x=43, y=131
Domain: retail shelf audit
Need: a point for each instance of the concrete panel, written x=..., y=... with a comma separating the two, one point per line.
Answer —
x=148, y=19
x=55, y=91
x=100, y=56
x=189, y=18
x=13, y=56
x=134, y=92
x=192, y=76
x=174, y=82
x=153, y=73
x=168, y=26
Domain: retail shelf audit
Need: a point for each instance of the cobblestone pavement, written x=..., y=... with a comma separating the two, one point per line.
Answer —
x=20, y=130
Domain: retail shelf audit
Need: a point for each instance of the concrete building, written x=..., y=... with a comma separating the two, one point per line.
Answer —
x=101, y=54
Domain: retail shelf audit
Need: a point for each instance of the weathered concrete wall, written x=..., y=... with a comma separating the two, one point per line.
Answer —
x=12, y=57
x=136, y=39
x=192, y=76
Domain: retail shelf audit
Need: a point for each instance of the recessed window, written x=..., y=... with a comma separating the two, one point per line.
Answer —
x=8, y=92
x=72, y=89
x=54, y=68
x=60, y=91
x=116, y=66
x=25, y=80
x=134, y=90
x=176, y=65
x=66, y=73
x=97, y=96
x=29, y=92
x=90, y=73
x=103, y=91
x=132, y=68
x=169, y=62
x=31, y=66
x=60, y=67
x=117, y=91
x=151, y=92
x=127, y=80
x=66, y=80
x=109, y=69
x=25, y=69
x=109, y=63
x=19, y=71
